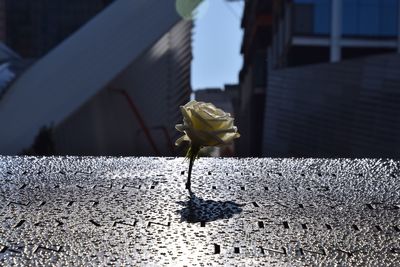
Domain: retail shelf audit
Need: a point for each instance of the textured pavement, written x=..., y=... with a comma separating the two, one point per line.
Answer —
x=246, y=212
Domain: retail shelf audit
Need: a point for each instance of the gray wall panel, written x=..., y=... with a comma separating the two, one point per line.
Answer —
x=346, y=109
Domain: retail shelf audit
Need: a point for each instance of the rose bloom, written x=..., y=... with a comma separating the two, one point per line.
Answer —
x=206, y=125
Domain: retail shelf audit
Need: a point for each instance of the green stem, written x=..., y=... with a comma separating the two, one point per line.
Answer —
x=192, y=154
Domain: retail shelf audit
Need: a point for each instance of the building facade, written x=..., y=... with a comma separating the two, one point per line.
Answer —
x=136, y=113
x=257, y=24
x=349, y=109
x=216, y=96
x=287, y=33
x=113, y=87
x=317, y=31
x=32, y=28
x=2, y=20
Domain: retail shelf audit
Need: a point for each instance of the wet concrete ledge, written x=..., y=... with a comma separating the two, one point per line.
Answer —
x=245, y=212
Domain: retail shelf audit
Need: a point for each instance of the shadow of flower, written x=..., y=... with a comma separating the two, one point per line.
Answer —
x=199, y=210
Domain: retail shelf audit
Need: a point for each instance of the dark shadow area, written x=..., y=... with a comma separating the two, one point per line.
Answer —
x=43, y=144
x=199, y=210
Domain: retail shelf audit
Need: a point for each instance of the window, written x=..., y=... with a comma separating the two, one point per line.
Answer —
x=370, y=18
x=312, y=17
x=303, y=19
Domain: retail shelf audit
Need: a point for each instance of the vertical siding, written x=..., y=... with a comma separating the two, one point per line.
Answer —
x=346, y=109
x=158, y=82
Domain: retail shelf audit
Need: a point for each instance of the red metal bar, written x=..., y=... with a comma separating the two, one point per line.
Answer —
x=167, y=137
x=140, y=119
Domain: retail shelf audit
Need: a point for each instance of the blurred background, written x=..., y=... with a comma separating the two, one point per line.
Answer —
x=303, y=78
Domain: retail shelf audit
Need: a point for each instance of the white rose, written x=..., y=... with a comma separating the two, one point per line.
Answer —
x=206, y=125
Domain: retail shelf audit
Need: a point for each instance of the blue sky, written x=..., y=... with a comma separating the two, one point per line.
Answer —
x=217, y=37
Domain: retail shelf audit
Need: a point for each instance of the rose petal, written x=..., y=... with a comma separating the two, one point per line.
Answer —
x=204, y=138
x=190, y=104
x=199, y=122
x=180, y=127
x=228, y=138
x=206, y=125
x=181, y=139
x=186, y=117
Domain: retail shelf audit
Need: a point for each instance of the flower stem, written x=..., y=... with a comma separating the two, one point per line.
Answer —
x=191, y=154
